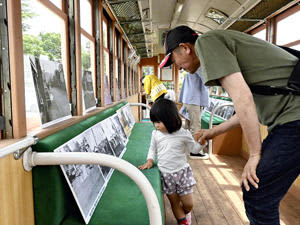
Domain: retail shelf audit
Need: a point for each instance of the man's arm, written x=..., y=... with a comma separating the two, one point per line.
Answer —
x=245, y=109
x=204, y=135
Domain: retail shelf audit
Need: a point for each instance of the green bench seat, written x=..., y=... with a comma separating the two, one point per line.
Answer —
x=205, y=120
x=122, y=203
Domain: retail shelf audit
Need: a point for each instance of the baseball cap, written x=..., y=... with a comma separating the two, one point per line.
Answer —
x=181, y=34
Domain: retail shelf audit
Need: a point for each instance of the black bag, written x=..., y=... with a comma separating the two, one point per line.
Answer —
x=293, y=85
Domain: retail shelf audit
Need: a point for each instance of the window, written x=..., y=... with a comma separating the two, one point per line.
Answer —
x=87, y=55
x=107, y=93
x=287, y=28
x=86, y=15
x=182, y=74
x=116, y=64
x=125, y=56
x=260, y=32
x=57, y=3
x=148, y=70
x=43, y=40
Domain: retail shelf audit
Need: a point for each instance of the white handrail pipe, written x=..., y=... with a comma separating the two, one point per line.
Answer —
x=31, y=159
x=21, y=144
x=140, y=104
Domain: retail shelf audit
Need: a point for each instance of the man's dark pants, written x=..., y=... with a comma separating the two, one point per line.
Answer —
x=277, y=170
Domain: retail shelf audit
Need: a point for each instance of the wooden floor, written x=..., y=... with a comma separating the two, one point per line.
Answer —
x=218, y=196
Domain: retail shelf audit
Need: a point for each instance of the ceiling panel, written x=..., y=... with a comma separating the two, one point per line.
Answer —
x=162, y=12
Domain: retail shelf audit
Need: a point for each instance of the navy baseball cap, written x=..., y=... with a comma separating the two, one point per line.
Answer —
x=181, y=34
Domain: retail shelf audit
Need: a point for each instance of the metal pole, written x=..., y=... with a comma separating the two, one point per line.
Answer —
x=211, y=124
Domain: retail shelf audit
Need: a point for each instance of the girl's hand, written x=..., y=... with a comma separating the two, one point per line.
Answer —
x=146, y=165
x=249, y=173
x=202, y=136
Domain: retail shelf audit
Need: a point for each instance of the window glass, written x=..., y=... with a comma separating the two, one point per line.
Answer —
x=148, y=70
x=107, y=95
x=86, y=56
x=260, y=34
x=85, y=16
x=44, y=40
x=182, y=74
x=288, y=29
x=125, y=68
x=104, y=33
x=86, y=53
x=57, y=3
x=117, y=80
x=297, y=47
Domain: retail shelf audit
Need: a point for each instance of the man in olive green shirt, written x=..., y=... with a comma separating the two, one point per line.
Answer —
x=236, y=60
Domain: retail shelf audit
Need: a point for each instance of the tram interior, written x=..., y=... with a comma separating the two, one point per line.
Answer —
x=65, y=62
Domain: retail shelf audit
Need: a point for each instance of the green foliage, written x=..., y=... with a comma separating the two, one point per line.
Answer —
x=85, y=59
x=26, y=14
x=48, y=44
x=51, y=44
x=32, y=45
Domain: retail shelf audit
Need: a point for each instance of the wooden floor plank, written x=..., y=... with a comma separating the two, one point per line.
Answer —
x=199, y=210
x=170, y=218
x=215, y=191
x=218, y=196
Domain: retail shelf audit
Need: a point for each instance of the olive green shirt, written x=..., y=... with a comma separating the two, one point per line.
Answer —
x=223, y=52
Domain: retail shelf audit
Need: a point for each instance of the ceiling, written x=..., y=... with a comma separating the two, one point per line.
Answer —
x=145, y=22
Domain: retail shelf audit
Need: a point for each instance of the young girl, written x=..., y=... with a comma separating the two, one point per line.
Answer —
x=168, y=144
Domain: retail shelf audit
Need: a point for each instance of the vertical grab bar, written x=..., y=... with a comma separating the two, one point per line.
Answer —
x=31, y=159
x=211, y=124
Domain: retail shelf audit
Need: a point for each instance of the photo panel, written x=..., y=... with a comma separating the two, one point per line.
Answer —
x=229, y=113
x=86, y=182
x=124, y=122
x=51, y=93
x=113, y=137
x=89, y=101
x=116, y=121
x=102, y=146
x=128, y=115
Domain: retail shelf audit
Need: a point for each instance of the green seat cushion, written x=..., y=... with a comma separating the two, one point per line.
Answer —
x=121, y=203
x=221, y=97
x=205, y=120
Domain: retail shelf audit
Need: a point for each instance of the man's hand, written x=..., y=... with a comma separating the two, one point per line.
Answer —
x=146, y=165
x=202, y=136
x=249, y=173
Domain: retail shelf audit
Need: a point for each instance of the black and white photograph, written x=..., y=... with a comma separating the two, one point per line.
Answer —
x=86, y=181
x=88, y=91
x=128, y=115
x=102, y=146
x=228, y=113
x=51, y=93
x=212, y=104
x=124, y=122
x=113, y=136
x=119, y=127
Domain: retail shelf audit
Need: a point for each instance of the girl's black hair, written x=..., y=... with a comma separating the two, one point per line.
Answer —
x=165, y=110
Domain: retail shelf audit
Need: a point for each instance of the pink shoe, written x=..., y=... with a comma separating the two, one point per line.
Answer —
x=184, y=222
x=189, y=218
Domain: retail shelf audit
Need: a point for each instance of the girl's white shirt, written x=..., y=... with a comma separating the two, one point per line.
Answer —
x=169, y=149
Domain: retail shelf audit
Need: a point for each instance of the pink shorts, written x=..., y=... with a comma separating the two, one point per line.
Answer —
x=180, y=182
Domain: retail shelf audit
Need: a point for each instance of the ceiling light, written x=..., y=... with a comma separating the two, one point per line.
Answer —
x=216, y=15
